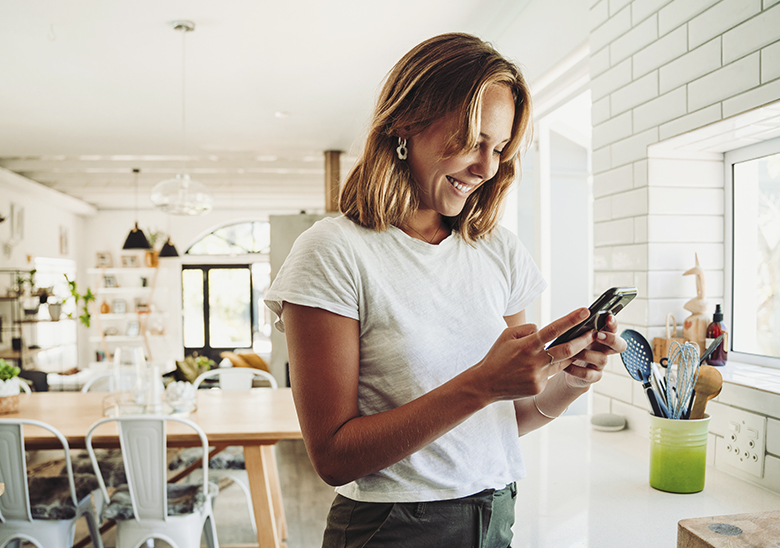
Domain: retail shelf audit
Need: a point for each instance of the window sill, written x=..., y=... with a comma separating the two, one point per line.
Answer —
x=766, y=379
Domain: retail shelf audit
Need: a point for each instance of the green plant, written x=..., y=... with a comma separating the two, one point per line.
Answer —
x=7, y=371
x=192, y=366
x=154, y=237
x=86, y=298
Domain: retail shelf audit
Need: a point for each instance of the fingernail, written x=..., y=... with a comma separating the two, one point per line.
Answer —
x=601, y=336
x=584, y=313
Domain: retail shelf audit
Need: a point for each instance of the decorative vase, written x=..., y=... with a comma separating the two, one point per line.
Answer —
x=151, y=259
x=55, y=311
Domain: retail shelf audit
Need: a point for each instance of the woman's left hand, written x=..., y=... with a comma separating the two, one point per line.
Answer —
x=588, y=365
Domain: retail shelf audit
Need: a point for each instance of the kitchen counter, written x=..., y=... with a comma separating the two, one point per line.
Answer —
x=587, y=488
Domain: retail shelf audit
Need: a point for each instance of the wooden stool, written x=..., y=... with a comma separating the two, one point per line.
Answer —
x=734, y=531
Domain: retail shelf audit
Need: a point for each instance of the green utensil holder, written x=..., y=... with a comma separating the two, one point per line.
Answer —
x=678, y=454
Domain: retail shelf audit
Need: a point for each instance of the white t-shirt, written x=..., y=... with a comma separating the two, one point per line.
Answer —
x=426, y=313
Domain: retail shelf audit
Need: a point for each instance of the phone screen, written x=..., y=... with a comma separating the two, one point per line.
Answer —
x=612, y=301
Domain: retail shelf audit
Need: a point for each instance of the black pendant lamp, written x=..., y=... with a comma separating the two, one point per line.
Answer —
x=168, y=249
x=136, y=239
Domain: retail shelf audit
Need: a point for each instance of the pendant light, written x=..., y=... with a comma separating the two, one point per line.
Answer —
x=168, y=249
x=136, y=239
x=181, y=195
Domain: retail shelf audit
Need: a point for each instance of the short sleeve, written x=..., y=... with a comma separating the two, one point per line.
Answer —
x=319, y=272
x=526, y=281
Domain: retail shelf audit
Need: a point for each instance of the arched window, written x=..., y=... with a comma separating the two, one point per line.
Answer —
x=235, y=239
x=222, y=303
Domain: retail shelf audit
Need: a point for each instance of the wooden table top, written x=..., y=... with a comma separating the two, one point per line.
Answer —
x=261, y=416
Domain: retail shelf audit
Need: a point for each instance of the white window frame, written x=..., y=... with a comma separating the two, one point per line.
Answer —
x=751, y=152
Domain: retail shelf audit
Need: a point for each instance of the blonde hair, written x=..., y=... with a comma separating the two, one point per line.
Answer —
x=445, y=74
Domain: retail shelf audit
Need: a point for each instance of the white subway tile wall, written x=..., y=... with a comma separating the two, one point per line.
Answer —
x=770, y=62
x=751, y=35
x=661, y=69
x=690, y=66
x=661, y=52
x=643, y=34
x=720, y=18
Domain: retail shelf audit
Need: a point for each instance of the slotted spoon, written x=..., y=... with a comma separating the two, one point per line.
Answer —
x=637, y=359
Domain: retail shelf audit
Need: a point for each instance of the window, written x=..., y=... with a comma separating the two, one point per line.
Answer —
x=222, y=304
x=754, y=176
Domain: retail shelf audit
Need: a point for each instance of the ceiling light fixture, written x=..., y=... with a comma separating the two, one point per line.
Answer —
x=168, y=249
x=181, y=195
x=136, y=239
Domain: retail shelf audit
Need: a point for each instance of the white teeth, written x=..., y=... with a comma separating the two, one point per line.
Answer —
x=459, y=186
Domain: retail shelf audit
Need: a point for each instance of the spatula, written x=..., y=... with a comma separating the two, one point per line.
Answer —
x=708, y=385
x=637, y=359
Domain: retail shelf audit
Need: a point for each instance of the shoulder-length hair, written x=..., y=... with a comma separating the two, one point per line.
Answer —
x=444, y=75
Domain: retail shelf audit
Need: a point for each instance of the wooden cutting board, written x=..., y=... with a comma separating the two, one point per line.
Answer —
x=759, y=530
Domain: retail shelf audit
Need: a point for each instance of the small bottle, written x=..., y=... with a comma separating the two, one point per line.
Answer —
x=715, y=330
x=104, y=308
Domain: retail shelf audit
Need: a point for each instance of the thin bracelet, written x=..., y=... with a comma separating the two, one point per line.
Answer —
x=545, y=415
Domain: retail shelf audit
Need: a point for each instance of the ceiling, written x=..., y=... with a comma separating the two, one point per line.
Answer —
x=92, y=89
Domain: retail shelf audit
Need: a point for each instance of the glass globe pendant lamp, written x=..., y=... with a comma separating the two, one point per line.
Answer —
x=181, y=195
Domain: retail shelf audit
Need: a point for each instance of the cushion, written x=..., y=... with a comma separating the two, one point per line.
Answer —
x=183, y=499
x=112, y=467
x=50, y=495
x=232, y=458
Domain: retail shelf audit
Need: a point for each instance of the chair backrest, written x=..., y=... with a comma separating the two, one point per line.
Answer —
x=142, y=439
x=107, y=382
x=15, y=502
x=236, y=378
x=24, y=387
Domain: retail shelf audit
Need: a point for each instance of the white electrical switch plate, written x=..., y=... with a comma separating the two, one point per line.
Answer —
x=745, y=441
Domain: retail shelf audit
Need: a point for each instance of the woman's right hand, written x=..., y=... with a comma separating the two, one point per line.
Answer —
x=518, y=366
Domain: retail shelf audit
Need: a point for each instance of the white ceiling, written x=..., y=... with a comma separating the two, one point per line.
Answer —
x=90, y=89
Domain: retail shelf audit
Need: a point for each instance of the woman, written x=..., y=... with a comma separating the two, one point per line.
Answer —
x=411, y=363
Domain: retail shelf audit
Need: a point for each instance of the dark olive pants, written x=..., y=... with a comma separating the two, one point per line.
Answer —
x=483, y=520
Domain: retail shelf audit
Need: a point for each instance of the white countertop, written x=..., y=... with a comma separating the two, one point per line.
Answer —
x=587, y=488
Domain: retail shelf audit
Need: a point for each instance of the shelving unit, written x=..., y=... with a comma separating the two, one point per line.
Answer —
x=129, y=309
x=20, y=331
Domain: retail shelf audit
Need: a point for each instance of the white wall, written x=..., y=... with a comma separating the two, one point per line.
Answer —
x=661, y=68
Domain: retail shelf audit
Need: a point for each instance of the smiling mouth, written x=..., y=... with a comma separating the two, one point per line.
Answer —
x=464, y=188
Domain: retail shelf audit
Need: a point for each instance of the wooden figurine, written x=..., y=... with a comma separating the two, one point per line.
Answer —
x=695, y=326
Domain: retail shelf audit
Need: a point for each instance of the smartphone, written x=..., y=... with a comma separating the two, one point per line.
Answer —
x=612, y=301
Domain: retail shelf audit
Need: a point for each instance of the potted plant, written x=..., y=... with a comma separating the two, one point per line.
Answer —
x=9, y=388
x=152, y=255
x=85, y=299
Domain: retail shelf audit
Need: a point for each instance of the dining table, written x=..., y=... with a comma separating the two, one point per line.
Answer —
x=255, y=419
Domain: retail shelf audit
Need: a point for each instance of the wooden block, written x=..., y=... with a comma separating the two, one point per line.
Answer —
x=734, y=531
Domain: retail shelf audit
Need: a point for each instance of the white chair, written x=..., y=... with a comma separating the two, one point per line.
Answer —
x=236, y=378
x=104, y=382
x=24, y=387
x=148, y=507
x=230, y=463
x=43, y=510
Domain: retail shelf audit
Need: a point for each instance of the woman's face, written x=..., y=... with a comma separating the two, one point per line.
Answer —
x=446, y=183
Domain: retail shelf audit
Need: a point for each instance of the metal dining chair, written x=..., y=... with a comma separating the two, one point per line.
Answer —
x=230, y=462
x=148, y=507
x=39, y=509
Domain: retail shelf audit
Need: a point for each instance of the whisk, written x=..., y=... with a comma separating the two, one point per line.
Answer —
x=680, y=385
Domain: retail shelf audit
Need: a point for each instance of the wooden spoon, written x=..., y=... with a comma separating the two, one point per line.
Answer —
x=708, y=385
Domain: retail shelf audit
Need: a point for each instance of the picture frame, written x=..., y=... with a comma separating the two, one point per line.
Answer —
x=133, y=329
x=109, y=281
x=129, y=261
x=104, y=259
x=118, y=306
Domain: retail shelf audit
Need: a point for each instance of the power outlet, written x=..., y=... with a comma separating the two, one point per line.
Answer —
x=745, y=441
